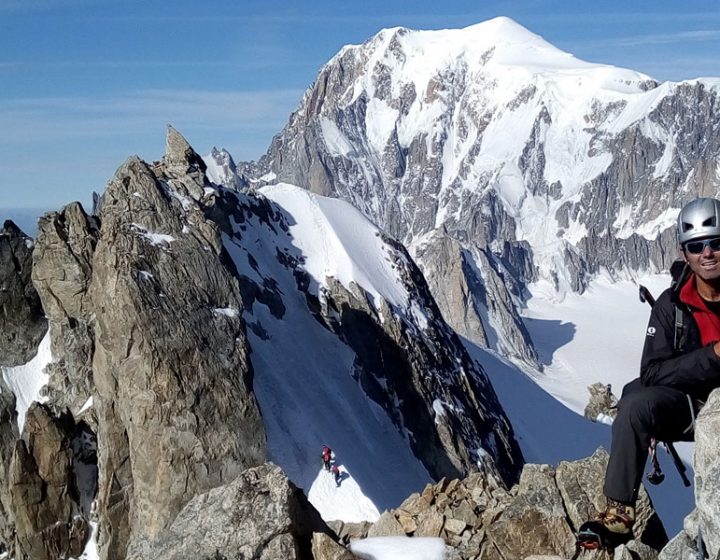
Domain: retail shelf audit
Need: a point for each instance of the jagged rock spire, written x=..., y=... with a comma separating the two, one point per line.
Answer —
x=184, y=165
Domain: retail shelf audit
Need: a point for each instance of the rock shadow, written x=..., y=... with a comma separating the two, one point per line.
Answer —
x=548, y=335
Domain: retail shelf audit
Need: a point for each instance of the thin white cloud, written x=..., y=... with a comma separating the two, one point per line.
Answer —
x=681, y=67
x=28, y=120
x=245, y=57
x=612, y=18
x=701, y=35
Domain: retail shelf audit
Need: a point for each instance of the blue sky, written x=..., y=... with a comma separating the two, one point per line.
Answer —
x=86, y=83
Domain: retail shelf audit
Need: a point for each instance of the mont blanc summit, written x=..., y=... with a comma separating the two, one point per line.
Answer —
x=535, y=165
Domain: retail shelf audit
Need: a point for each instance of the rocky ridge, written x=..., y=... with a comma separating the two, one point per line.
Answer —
x=151, y=381
x=479, y=519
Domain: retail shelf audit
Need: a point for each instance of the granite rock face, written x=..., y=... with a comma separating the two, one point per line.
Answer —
x=62, y=272
x=174, y=401
x=22, y=320
x=443, y=264
x=260, y=514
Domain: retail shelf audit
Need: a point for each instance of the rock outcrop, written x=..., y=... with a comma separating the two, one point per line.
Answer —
x=470, y=286
x=325, y=547
x=260, y=514
x=705, y=519
x=8, y=437
x=22, y=320
x=602, y=404
x=49, y=524
x=62, y=272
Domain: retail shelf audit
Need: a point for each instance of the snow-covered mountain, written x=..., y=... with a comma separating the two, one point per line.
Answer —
x=537, y=165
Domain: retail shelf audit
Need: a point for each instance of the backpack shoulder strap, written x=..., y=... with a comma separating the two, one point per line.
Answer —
x=679, y=271
x=679, y=338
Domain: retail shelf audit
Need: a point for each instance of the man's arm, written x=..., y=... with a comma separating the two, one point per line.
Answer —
x=661, y=365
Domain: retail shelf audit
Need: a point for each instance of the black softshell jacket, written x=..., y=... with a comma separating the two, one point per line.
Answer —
x=692, y=369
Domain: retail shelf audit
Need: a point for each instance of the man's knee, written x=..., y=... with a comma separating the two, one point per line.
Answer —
x=636, y=408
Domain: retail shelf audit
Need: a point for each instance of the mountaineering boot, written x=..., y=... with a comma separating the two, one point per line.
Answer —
x=609, y=529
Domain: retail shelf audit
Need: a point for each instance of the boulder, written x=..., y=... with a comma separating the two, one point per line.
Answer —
x=325, y=547
x=705, y=519
x=260, y=514
x=387, y=525
x=349, y=531
x=707, y=473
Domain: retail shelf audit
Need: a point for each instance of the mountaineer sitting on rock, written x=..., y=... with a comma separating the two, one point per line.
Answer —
x=680, y=366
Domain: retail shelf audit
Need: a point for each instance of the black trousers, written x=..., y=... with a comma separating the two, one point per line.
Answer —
x=662, y=413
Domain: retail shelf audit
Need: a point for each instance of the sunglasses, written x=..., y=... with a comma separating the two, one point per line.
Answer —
x=697, y=247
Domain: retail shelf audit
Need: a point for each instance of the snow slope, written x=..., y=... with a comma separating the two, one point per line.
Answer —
x=597, y=336
x=346, y=501
x=301, y=367
x=25, y=381
x=303, y=379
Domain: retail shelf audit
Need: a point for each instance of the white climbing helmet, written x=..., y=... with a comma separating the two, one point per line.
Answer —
x=698, y=219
